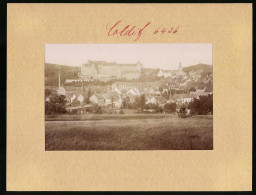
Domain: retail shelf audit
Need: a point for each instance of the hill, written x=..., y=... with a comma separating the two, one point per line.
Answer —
x=204, y=67
x=52, y=70
x=149, y=72
x=71, y=72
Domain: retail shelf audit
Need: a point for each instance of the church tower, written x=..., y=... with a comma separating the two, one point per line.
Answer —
x=180, y=67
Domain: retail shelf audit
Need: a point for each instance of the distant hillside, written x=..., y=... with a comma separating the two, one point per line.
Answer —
x=149, y=71
x=204, y=67
x=66, y=72
x=148, y=74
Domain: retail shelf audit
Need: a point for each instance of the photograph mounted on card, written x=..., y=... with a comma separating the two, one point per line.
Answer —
x=128, y=97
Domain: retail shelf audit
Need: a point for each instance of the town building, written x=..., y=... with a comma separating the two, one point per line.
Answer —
x=72, y=80
x=61, y=91
x=172, y=73
x=122, y=85
x=133, y=91
x=157, y=100
x=98, y=99
x=184, y=98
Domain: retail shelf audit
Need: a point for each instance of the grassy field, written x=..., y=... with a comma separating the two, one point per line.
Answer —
x=89, y=117
x=127, y=132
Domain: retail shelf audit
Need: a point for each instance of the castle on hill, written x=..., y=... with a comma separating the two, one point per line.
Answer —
x=105, y=71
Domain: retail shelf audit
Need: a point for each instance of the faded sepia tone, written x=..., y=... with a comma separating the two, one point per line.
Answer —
x=128, y=97
x=228, y=167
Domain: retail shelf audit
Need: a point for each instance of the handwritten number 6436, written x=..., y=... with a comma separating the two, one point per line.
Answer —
x=162, y=30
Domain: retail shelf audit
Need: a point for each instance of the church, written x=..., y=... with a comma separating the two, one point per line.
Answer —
x=171, y=73
x=105, y=71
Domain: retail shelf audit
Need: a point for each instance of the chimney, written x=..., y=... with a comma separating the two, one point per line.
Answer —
x=59, y=76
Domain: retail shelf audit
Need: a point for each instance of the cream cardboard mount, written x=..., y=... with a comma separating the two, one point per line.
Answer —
x=228, y=167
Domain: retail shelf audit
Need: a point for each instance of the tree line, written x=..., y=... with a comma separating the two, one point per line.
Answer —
x=56, y=104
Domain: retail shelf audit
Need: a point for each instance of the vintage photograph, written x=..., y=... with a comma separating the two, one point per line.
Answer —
x=128, y=96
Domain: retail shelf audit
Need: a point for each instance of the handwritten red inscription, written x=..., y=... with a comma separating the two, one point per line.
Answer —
x=165, y=30
x=131, y=30
x=126, y=31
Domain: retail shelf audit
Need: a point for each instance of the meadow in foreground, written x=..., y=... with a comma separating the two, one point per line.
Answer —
x=171, y=133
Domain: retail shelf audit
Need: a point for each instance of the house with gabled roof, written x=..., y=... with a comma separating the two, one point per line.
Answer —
x=61, y=91
x=165, y=73
x=117, y=91
x=159, y=100
x=184, y=98
x=121, y=85
x=80, y=98
x=133, y=91
x=97, y=99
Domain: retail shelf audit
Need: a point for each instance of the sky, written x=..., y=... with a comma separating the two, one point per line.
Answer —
x=163, y=56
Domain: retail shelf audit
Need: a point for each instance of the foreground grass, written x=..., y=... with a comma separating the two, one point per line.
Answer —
x=168, y=133
x=89, y=117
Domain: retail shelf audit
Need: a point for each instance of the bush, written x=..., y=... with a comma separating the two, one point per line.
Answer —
x=48, y=92
x=154, y=107
x=182, y=111
x=75, y=102
x=159, y=109
x=96, y=109
x=201, y=106
x=121, y=111
x=56, y=104
x=74, y=111
x=170, y=107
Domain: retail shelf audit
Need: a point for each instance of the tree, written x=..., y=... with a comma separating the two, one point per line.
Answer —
x=48, y=92
x=210, y=103
x=142, y=102
x=87, y=99
x=126, y=101
x=152, y=106
x=136, y=103
x=192, y=89
x=159, y=109
x=75, y=102
x=96, y=109
x=112, y=101
x=146, y=107
x=170, y=107
x=182, y=111
x=121, y=111
x=83, y=85
x=203, y=105
x=56, y=104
